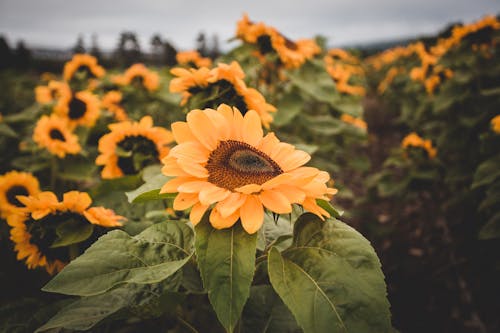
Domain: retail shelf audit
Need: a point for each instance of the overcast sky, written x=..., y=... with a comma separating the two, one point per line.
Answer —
x=57, y=23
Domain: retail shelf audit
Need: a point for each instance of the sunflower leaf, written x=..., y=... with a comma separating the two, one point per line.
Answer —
x=329, y=208
x=72, y=232
x=117, y=258
x=330, y=279
x=226, y=259
x=150, y=190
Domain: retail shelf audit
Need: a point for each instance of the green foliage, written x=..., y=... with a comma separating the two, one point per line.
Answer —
x=116, y=259
x=226, y=261
x=331, y=279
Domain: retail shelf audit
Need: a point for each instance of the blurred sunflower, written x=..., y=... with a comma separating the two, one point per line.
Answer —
x=221, y=85
x=54, y=133
x=51, y=92
x=495, y=124
x=35, y=233
x=224, y=161
x=356, y=122
x=192, y=59
x=81, y=108
x=414, y=140
x=111, y=102
x=83, y=63
x=130, y=146
x=15, y=183
x=139, y=75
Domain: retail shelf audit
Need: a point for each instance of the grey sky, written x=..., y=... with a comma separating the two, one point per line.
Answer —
x=57, y=23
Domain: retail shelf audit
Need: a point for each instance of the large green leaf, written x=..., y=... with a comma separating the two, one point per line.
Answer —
x=331, y=279
x=313, y=79
x=117, y=258
x=288, y=107
x=226, y=259
x=72, y=232
x=150, y=190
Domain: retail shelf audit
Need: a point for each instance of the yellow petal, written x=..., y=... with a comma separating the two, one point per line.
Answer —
x=192, y=150
x=193, y=186
x=249, y=189
x=181, y=132
x=275, y=201
x=294, y=160
x=280, y=179
x=212, y=194
x=192, y=168
x=252, y=128
x=292, y=193
x=201, y=127
x=185, y=200
x=197, y=213
x=219, y=222
x=231, y=204
x=252, y=214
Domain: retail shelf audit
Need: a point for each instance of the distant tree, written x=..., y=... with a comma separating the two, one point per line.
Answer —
x=5, y=53
x=169, y=54
x=94, y=47
x=156, y=49
x=128, y=51
x=215, y=48
x=201, y=44
x=22, y=56
x=79, y=46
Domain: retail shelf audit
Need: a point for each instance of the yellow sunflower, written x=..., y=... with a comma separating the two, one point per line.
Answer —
x=495, y=124
x=357, y=122
x=54, y=133
x=81, y=108
x=226, y=83
x=414, y=140
x=130, y=146
x=35, y=231
x=15, y=183
x=51, y=92
x=83, y=63
x=224, y=161
x=111, y=102
x=192, y=59
x=140, y=75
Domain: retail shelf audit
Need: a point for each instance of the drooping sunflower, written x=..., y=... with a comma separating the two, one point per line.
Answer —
x=51, y=92
x=224, y=161
x=221, y=85
x=192, y=59
x=140, y=75
x=130, y=146
x=35, y=233
x=81, y=108
x=83, y=63
x=414, y=140
x=54, y=133
x=111, y=102
x=12, y=184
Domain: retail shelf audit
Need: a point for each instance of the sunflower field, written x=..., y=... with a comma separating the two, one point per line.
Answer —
x=280, y=187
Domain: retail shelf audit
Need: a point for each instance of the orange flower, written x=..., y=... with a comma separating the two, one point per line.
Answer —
x=83, y=62
x=495, y=124
x=81, y=108
x=53, y=91
x=414, y=140
x=12, y=184
x=138, y=73
x=224, y=161
x=54, y=134
x=357, y=122
x=111, y=102
x=192, y=59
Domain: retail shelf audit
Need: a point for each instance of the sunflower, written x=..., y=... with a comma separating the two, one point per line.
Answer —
x=357, y=122
x=414, y=140
x=221, y=85
x=130, y=146
x=111, y=102
x=81, y=108
x=192, y=59
x=15, y=183
x=224, y=161
x=83, y=63
x=53, y=133
x=140, y=75
x=268, y=39
x=51, y=92
x=35, y=232
x=495, y=124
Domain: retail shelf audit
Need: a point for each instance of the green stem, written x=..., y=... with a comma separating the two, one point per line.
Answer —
x=53, y=172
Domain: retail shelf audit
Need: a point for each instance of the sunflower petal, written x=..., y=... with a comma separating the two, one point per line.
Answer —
x=252, y=214
x=275, y=201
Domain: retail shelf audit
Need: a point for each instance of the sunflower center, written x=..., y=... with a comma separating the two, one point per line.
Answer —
x=234, y=164
x=220, y=92
x=135, y=153
x=13, y=191
x=290, y=45
x=44, y=232
x=85, y=71
x=138, y=81
x=77, y=108
x=56, y=134
x=264, y=44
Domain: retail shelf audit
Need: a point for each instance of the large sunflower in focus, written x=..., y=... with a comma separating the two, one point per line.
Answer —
x=83, y=63
x=81, y=108
x=131, y=146
x=221, y=85
x=140, y=75
x=224, y=161
x=54, y=133
x=12, y=184
x=35, y=233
